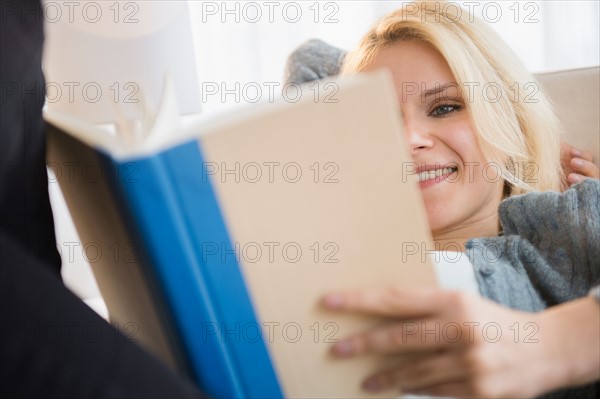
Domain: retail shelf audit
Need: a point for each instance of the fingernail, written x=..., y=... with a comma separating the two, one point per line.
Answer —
x=343, y=349
x=372, y=385
x=576, y=153
x=333, y=301
x=577, y=162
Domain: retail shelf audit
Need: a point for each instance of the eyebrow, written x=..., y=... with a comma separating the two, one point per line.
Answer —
x=439, y=89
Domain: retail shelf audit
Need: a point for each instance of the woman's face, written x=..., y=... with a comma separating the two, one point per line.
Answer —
x=460, y=190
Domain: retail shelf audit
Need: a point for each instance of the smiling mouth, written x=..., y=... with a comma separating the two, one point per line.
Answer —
x=436, y=173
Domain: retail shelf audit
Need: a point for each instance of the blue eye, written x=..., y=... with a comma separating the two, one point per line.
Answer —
x=444, y=109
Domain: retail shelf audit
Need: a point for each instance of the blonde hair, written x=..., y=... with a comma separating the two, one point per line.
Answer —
x=520, y=132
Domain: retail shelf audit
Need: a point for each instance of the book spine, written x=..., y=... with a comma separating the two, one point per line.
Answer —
x=175, y=213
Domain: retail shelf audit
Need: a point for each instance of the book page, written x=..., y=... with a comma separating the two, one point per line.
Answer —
x=102, y=59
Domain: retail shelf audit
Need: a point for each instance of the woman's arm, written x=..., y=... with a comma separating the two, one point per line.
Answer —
x=454, y=344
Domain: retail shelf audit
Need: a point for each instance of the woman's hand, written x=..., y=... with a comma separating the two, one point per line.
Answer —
x=577, y=164
x=455, y=344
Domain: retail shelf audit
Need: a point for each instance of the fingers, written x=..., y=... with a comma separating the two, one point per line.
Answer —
x=468, y=388
x=398, y=338
x=576, y=153
x=423, y=372
x=578, y=165
x=454, y=389
x=574, y=178
x=388, y=302
x=584, y=168
x=420, y=316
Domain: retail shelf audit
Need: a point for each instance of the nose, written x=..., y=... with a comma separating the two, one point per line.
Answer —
x=417, y=135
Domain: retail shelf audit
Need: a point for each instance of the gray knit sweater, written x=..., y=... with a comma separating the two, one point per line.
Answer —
x=549, y=252
x=313, y=60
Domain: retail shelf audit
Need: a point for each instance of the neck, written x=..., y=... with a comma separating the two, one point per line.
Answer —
x=455, y=238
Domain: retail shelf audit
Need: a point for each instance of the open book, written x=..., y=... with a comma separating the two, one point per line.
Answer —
x=220, y=236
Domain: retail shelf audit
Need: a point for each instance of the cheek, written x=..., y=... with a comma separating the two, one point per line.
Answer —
x=462, y=138
x=478, y=175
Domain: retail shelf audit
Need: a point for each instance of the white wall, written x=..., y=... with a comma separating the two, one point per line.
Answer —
x=547, y=35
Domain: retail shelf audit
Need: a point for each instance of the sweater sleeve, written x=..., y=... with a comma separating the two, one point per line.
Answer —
x=564, y=228
x=550, y=252
x=313, y=60
x=558, y=224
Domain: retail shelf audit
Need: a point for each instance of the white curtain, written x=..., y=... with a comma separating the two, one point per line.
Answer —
x=241, y=42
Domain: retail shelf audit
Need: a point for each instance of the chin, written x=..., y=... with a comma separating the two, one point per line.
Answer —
x=437, y=224
x=439, y=212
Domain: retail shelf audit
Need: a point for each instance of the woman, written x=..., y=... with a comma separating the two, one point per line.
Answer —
x=461, y=95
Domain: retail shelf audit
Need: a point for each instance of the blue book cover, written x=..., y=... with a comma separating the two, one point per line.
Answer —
x=242, y=222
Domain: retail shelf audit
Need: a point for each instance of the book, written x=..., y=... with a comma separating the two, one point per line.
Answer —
x=231, y=229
